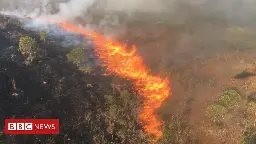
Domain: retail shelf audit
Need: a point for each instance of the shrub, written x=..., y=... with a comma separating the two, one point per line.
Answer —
x=229, y=98
x=28, y=48
x=77, y=56
x=252, y=106
x=43, y=36
x=216, y=112
x=86, y=69
x=251, y=109
x=227, y=101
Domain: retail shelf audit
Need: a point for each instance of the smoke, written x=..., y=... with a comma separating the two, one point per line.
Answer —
x=202, y=27
x=71, y=9
x=63, y=9
x=200, y=18
x=57, y=9
x=80, y=11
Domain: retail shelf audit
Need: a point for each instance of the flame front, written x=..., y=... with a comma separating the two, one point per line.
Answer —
x=130, y=66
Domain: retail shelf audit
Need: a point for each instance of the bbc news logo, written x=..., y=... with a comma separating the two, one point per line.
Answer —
x=31, y=126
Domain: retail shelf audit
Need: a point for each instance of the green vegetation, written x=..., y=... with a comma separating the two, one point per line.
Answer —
x=115, y=120
x=250, y=135
x=27, y=45
x=251, y=106
x=251, y=111
x=43, y=36
x=177, y=131
x=229, y=106
x=228, y=100
x=216, y=112
x=173, y=133
x=28, y=48
x=122, y=117
x=86, y=69
x=77, y=56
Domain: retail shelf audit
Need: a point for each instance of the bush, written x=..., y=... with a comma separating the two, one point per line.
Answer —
x=43, y=36
x=229, y=98
x=77, y=56
x=28, y=48
x=216, y=112
x=86, y=69
x=251, y=109
x=252, y=106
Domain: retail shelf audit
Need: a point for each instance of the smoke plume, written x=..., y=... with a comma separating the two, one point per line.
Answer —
x=70, y=9
x=204, y=21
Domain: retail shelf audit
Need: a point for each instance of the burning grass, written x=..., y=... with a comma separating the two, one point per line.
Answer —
x=128, y=65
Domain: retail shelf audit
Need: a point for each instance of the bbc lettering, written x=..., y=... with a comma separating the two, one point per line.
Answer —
x=45, y=126
x=31, y=126
x=20, y=126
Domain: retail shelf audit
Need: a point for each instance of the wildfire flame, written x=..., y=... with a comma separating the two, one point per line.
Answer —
x=128, y=65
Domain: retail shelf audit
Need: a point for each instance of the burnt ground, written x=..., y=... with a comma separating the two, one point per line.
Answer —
x=49, y=88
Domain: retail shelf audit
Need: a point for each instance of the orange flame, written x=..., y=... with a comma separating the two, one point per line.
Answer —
x=128, y=65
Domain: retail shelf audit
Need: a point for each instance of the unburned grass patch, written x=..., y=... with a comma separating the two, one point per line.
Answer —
x=228, y=101
x=251, y=112
x=216, y=112
x=77, y=56
x=251, y=106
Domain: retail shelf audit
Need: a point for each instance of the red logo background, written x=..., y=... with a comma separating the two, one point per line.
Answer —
x=31, y=126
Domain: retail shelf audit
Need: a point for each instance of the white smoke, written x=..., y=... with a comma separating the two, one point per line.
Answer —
x=176, y=11
x=63, y=9
x=48, y=8
x=72, y=9
x=69, y=9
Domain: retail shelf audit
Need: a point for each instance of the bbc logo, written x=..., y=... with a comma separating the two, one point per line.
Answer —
x=20, y=126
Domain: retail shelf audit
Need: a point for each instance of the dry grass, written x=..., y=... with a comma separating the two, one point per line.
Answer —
x=232, y=118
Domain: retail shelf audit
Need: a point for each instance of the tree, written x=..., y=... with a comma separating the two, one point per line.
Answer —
x=77, y=56
x=28, y=48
